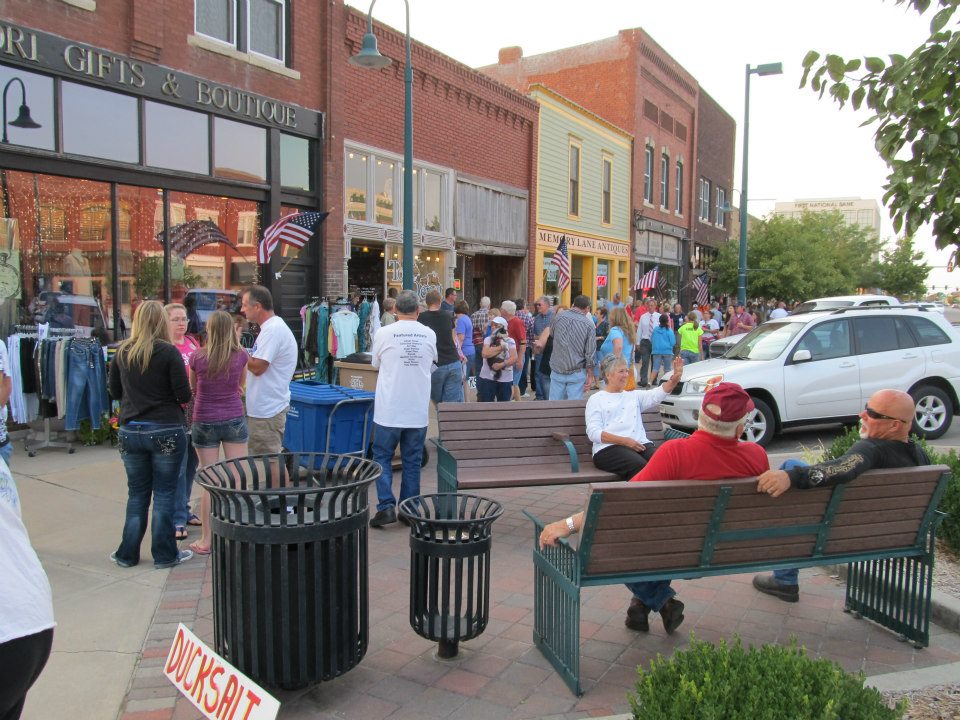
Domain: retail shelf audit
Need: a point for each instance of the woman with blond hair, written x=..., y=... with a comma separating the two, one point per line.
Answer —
x=218, y=372
x=147, y=376
x=620, y=341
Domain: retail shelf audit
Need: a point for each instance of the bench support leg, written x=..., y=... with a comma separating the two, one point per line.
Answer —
x=446, y=471
x=556, y=608
x=894, y=593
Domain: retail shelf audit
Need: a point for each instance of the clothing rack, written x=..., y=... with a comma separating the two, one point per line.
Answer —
x=44, y=440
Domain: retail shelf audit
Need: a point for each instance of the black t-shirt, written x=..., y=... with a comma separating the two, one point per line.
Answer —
x=156, y=395
x=863, y=455
x=441, y=322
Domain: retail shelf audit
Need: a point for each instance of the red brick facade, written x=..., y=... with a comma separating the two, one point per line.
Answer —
x=716, y=141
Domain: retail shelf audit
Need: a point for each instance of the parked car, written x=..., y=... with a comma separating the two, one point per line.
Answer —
x=822, y=367
x=720, y=346
x=203, y=302
x=63, y=310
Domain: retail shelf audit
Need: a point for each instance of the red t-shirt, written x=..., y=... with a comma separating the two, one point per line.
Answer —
x=703, y=456
x=517, y=330
x=639, y=312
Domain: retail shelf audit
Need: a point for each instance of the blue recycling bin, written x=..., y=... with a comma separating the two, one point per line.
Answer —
x=328, y=419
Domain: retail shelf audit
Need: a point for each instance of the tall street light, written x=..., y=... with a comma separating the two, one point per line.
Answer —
x=23, y=119
x=767, y=69
x=370, y=57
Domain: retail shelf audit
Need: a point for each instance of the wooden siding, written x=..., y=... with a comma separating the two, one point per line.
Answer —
x=483, y=214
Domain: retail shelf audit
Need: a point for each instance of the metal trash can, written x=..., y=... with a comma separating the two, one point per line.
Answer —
x=450, y=540
x=289, y=553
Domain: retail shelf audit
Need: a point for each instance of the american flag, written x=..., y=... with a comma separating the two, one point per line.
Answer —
x=187, y=237
x=293, y=230
x=702, y=287
x=562, y=260
x=649, y=280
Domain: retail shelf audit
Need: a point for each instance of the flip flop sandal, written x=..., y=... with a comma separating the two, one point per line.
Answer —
x=181, y=533
x=198, y=549
x=194, y=520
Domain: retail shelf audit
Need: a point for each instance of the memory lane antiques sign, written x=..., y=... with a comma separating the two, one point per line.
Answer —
x=582, y=244
x=32, y=49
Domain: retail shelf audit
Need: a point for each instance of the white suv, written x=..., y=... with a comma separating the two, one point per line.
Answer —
x=822, y=367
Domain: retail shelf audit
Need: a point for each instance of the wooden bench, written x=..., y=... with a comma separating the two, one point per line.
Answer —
x=519, y=444
x=883, y=524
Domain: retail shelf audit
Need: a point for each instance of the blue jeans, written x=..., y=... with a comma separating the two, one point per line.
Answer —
x=543, y=380
x=789, y=576
x=491, y=390
x=446, y=383
x=653, y=594
x=86, y=390
x=385, y=441
x=188, y=470
x=152, y=456
x=567, y=386
x=6, y=451
x=527, y=354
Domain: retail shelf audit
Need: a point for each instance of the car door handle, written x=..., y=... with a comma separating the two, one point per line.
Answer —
x=848, y=365
x=910, y=356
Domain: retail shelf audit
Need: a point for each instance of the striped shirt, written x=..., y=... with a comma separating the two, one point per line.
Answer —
x=574, y=342
x=528, y=323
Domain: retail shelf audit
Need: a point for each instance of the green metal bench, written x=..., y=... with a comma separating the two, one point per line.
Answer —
x=883, y=524
x=519, y=444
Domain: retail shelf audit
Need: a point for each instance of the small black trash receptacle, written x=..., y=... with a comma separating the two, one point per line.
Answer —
x=450, y=539
x=290, y=582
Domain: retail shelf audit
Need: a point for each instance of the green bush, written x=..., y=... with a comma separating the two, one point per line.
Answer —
x=949, y=530
x=722, y=682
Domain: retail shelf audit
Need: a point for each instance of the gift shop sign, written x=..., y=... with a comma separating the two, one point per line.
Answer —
x=216, y=688
x=582, y=245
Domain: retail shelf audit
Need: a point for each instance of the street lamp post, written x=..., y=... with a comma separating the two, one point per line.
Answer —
x=370, y=57
x=767, y=69
x=23, y=119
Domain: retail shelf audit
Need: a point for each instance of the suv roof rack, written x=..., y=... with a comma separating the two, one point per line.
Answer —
x=874, y=308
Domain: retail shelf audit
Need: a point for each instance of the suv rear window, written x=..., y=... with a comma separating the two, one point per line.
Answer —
x=927, y=332
x=875, y=334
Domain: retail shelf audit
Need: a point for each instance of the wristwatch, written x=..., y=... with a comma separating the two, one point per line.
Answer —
x=570, y=526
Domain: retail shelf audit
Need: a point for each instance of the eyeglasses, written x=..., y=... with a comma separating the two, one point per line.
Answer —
x=874, y=415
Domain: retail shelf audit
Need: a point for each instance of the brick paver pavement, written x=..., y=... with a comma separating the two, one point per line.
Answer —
x=501, y=674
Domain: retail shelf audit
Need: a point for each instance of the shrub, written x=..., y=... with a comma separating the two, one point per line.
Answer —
x=727, y=681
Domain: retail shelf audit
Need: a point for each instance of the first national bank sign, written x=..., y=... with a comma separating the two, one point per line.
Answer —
x=35, y=49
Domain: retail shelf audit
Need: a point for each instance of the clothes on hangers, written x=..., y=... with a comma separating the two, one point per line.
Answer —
x=345, y=324
x=363, y=313
x=373, y=324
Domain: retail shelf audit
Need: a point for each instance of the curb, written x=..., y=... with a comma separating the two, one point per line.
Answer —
x=908, y=680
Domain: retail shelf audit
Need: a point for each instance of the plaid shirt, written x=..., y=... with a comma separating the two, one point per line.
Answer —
x=528, y=323
x=480, y=318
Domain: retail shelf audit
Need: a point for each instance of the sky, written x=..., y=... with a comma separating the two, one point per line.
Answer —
x=800, y=147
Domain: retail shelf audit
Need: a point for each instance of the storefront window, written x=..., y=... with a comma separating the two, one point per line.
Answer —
x=177, y=139
x=355, y=185
x=100, y=123
x=384, y=178
x=603, y=280
x=432, y=200
x=550, y=275
x=239, y=151
x=428, y=267
x=295, y=162
x=38, y=96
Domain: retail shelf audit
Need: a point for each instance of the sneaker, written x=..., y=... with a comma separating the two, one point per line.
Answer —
x=121, y=563
x=768, y=584
x=182, y=557
x=384, y=517
x=637, y=616
x=672, y=614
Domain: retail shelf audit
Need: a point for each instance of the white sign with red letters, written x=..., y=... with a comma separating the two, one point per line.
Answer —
x=216, y=688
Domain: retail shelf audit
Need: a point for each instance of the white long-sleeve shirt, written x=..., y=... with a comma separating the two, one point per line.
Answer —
x=620, y=413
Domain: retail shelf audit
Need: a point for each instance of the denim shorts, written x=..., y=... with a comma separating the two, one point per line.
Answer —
x=211, y=434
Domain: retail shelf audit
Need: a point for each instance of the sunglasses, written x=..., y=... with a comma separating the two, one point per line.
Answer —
x=874, y=415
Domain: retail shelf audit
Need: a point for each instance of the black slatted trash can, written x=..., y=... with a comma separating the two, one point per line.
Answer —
x=450, y=540
x=290, y=581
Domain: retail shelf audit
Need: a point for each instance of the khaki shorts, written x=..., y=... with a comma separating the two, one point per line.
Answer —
x=266, y=434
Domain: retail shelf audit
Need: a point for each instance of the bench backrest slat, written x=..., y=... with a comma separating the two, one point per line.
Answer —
x=664, y=525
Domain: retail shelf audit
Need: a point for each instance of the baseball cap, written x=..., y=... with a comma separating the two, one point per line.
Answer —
x=500, y=321
x=732, y=400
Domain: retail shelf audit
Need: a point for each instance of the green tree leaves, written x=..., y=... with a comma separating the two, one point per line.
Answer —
x=915, y=105
x=903, y=272
x=815, y=255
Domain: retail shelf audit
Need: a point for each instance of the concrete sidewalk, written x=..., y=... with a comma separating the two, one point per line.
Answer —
x=115, y=625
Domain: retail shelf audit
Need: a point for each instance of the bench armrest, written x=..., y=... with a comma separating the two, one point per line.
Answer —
x=571, y=450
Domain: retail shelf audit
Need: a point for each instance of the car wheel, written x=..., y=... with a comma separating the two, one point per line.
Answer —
x=760, y=423
x=934, y=412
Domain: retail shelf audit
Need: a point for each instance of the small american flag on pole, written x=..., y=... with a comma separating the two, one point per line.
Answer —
x=702, y=287
x=562, y=260
x=187, y=237
x=294, y=230
x=649, y=280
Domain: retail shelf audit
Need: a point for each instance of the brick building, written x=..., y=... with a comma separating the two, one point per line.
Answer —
x=716, y=138
x=632, y=82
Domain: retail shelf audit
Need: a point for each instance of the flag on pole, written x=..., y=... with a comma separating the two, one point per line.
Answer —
x=562, y=260
x=649, y=280
x=294, y=230
x=662, y=287
x=702, y=288
x=187, y=237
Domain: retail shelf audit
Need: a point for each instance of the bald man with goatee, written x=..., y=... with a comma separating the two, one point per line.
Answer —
x=884, y=443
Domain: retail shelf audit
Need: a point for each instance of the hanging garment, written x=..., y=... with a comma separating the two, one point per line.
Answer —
x=345, y=324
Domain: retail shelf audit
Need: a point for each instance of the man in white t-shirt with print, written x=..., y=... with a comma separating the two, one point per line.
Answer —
x=273, y=360
x=404, y=352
